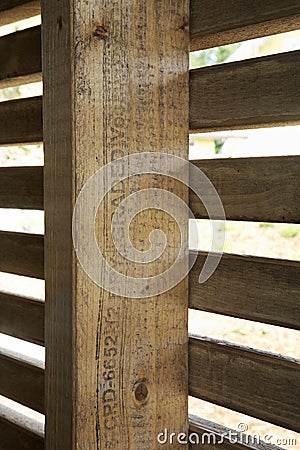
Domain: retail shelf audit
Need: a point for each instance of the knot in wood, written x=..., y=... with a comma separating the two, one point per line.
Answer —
x=100, y=32
x=141, y=392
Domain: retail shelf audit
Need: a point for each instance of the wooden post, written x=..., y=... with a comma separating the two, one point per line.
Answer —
x=115, y=83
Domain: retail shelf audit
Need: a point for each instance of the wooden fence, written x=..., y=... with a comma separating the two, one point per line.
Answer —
x=116, y=81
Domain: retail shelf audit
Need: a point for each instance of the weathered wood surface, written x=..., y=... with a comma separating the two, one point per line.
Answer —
x=14, y=437
x=255, y=189
x=229, y=291
x=227, y=96
x=21, y=380
x=220, y=22
x=20, y=57
x=255, y=383
x=222, y=437
x=18, y=431
x=21, y=121
x=15, y=10
x=22, y=317
x=115, y=83
x=22, y=254
x=246, y=94
x=22, y=187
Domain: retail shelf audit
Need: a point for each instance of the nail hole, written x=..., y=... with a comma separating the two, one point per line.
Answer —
x=60, y=22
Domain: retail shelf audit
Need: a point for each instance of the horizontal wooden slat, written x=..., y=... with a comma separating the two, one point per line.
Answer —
x=19, y=432
x=256, y=383
x=15, y=437
x=20, y=57
x=243, y=286
x=220, y=22
x=21, y=121
x=227, y=96
x=22, y=381
x=22, y=254
x=211, y=434
x=21, y=187
x=15, y=10
x=22, y=317
x=256, y=189
x=246, y=94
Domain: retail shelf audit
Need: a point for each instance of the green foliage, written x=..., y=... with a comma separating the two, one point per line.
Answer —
x=266, y=225
x=230, y=226
x=221, y=225
x=20, y=154
x=10, y=93
x=212, y=56
x=218, y=145
x=290, y=232
x=250, y=329
x=241, y=331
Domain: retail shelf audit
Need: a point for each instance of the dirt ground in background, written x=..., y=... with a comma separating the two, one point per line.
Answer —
x=255, y=335
x=270, y=240
x=266, y=432
x=251, y=238
x=260, y=240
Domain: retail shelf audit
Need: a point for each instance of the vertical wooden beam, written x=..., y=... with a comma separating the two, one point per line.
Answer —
x=115, y=83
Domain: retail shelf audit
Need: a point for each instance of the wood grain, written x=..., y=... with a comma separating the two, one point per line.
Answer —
x=18, y=431
x=115, y=83
x=21, y=121
x=22, y=381
x=22, y=317
x=258, y=92
x=256, y=189
x=22, y=187
x=229, y=292
x=221, y=22
x=22, y=254
x=202, y=427
x=14, y=437
x=20, y=57
x=259, y=384
x=15, y=10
